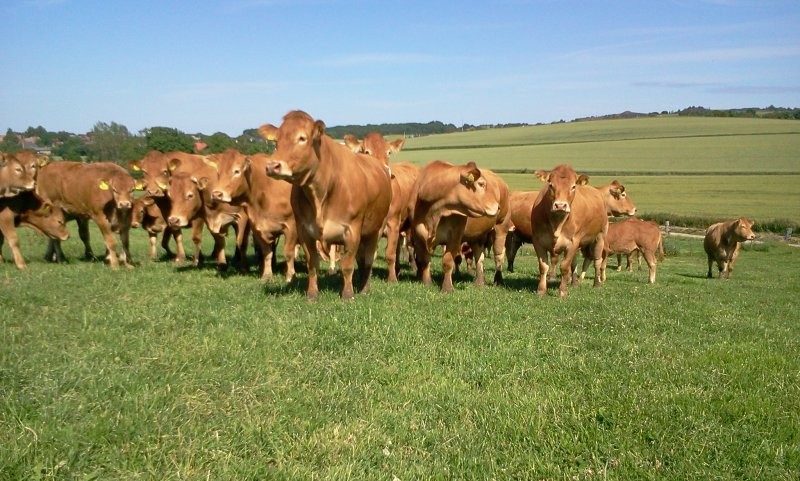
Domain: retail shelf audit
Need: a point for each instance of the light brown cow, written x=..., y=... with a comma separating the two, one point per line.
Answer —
x=634, y=235
x=147, y=215
x=28, y=210
x=242, y=181
x=15, y=176
x=101, y=192
x=567, y=215
x=338, y=197
x=721, y=244
x=444, y=197
x=403, y=176
x=490, y=230
x=616, y=200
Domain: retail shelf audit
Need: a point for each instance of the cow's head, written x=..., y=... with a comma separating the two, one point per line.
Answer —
x=617, y=201
x=47, y=219
x=474, y=195
x=232, y=167
x=139, y=210
x=374, y=145
x=186, y=197
x=562, y=184
x=121, y=188
x=155, y=171
x=14, y=176
x=743, y=229
x=296, y=156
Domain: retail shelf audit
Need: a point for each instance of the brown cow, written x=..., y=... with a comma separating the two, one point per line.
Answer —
x=101, y=192
x=147, y=215
x=632, y=235
x=403, y=176
x=721, y=244
x=338, y=197
x=28, y=210
x=616, y=200
x=444, y=197
x=242, y=180
x=567, y=215
x=490, y=230
x=15, y=176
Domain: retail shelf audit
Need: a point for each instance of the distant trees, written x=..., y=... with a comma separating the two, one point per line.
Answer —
x=10, y=143
x=113, y=142
x=165, y=139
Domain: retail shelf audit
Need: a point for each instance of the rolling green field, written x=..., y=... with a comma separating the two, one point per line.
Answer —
x=171, y=372
x=709, y=167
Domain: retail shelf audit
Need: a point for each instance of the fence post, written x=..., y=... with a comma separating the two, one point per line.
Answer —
x=788, y=235
x=666, y=227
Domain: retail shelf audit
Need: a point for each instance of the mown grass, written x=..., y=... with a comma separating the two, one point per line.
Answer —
x=172, y=372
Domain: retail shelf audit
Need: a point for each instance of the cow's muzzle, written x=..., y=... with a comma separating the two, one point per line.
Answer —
x=560, y=206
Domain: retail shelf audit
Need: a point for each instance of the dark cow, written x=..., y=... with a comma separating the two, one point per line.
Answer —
x=403, y=176
x=444, y=197
x=721, y=244
x=101, y=192
x=338, y=197
x=567, y=215
x=242, y=181
x=30, y=211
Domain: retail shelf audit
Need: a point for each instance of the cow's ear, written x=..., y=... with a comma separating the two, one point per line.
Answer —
x=47, y=208
x=319, y=130
x=210, y=161
x=135, y=165
x=246, y=164
x=583, y=179
x=352, y=143
x=173, y=164
x=42, y=160
x=202, y=182
x=470, y=174
x=268, y=132
x=103, y=185
x=542, y=175
x=396, y=145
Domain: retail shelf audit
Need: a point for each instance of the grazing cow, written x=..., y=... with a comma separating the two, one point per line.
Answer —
x=490, y=230
x=721, y=244
x=15, y=176
x=101, y=192
x=147, y=215
x=338, y=197
x=567, y=215
x=28, y=210
x=403, y=176
x=444, y=197
x=633, y=235
x=242, y=181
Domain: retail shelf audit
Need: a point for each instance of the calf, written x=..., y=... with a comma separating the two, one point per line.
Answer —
x=721, y=244
x=403, y=175
x=444, y=197
x=567, y=215
x=338, y=197
x=632, y=235
x=28, y=210
x=101, y=192
x=147, y=215
x=242, y=181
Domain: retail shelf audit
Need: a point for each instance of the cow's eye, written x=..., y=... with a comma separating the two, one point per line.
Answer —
x=367, y=151
x=237, y=172
x=302, y=139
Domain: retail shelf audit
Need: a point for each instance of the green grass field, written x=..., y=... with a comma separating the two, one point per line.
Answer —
x=170, y=372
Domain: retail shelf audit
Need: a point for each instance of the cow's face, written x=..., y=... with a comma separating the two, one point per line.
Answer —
x=231, y=167
x=139, y=210
x=617, y=201
x=297, y=153
x=186, y=198
x=480, y=196
x=374, y=145
x=14, y=177
x=31, y=161
x=121, y=188
x=49, y=220
x=744, y=229
x=155, y=170
x=562, y=184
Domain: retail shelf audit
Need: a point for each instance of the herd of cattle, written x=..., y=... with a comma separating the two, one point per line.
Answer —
x=326, y=196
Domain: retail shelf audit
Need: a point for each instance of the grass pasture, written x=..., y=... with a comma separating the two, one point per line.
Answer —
x=171, y=372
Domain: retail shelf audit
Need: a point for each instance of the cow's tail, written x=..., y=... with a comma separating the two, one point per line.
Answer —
x=660, y=249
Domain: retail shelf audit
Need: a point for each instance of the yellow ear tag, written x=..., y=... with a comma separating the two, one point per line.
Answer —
x=470, y=178
x=162, y=186
x=272, y=137
x=139, y=185
x=103, y=185
x=136, y=168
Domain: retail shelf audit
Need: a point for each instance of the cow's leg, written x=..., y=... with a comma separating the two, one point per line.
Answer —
x=422, y=258
x=290, y=251
x=197, y=239
x=512, y=244
x=180, y=251
x=499, y=251
x=264, y=246
x=10, y=232
x=125, y=256
x=479, y=256
x=567, y=269
x=544, y=266
x=452, y=249
x=219, y=250
x=347, y=261
x=366, y=257
x=242, y=227
x=710, y=265
x=312, y=263
x=596, y=252
x=168, y=232
x=392, y=249
x=619, y=261
x=83, y=233
x=650, y=258
x=734, y=256
x=110, y=240
x=604, y=265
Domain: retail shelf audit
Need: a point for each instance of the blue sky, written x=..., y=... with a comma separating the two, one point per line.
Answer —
x=225, y=66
